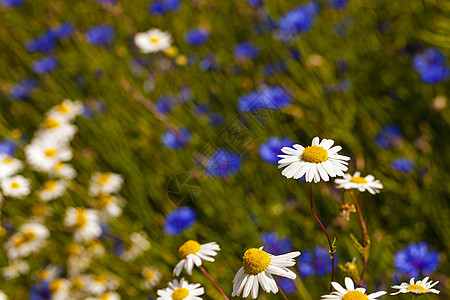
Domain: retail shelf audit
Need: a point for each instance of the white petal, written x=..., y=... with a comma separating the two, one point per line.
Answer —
x=349, y=284
x=315, y=141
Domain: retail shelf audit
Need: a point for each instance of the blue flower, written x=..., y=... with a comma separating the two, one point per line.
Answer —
x=176, y=139
x=269, y=98
x=314, y=263
x=404, y=165
x=179, y=220
x=165, y=104
x=416, y=260
x=196, y=37
x=299, y=19
x=270, y=150
x=41, y=291
x=8, y=147
x=93, y=108
x=254, y=3
x=45, y=65
x=288, y=285
x=337, y=4
x=431, y=66
x=160, y=7
x=107, y=1
x=223, y=164
x=100, y=35
x=64, y=30
x=12, y=3
x=275, y=245
x=274, y=67
x=23, y=89
x=43, y=43
x=245, y=51
x=389, y=136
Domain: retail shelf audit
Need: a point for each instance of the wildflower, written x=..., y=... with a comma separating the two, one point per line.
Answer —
x=23, y=89
x=254, y=3
x=299, y=19
x=105, y=183
x=390, y=136
x=165, y=104
x=56, y=128
x=100, y=35
x=223, y=164
x=151, y=277
x=350, y=292
x=181, y=290
x=197, y=36
x=191, y=252
x=16, y=186
x=179, y=220
x=245, y=51
x=416, y=259
x=420, y=287
x=52, y=189
x=153, y=40
x=12, y=3
x=97, y=284
x=8, y=147
x=316, y=162
x=287, y=285
x=270, y=150
x=59, y=289
x=176, y=139
x=139, y=244
x=346, y=209
x=85, y=222
x=315, y=262
x=160, y=7
x=30, y=238
x=63, y=170
x=431, y=66
x=337, y=4
x=66, y=111
x=45, y=65
x=9, y=166
x=106, y=296
x=361, y=183
x=258, y=268
x=403, y=164
x=109, y=206
x=44, y=43
x=44, y=154
x=14, y=269
x=268, y=98
x=63, y=31
x=275, y=244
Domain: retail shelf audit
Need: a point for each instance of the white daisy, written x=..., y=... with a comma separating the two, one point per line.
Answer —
x=153, y=40
x=3, y=296
x=85, y=222
x=63, y=170
x=418, y=288
x=98, y=284
x=50, y=272
x=44, y=154
x=30, y=239
x=109, y=206
x=258, y=268
x=315, y=162
x=9, y=166
x=78, y=260
x=60, y=289
x=181, y=290
x=52, y=189
x=152, y=276
x=14, y=269
x=66, y=110
x=350, y=292
x=105, y=183
x=361, y=183
x=105, y=296
x=139, y=244
x=192, y=253
x=56, y=128
x=16, y=186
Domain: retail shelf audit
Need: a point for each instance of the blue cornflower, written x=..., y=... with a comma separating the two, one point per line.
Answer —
x=165, y=104
x=179, y=220
x=288, y=285
x=8, y=146
x=223, y=164
x=23, y=89
x=269, y=98
x=337, y=4
x=41, y=291
x=254, y=3
x=274, y=244
x=176, y=139
x=245, y=51
x=389, y=136
x=274, y=67
x=270, y=150
x=431, y=66
x=43, y=43
x=299, y=19
x=93, y=108
x=216, y=119
x=160, y=7
x=416, y=260
x=404, y=165
x=12, y=3
x=64, y=30
x=100, y=35
x=45, y=65
x=314, y=263
x=107, y=1
x=197, y=36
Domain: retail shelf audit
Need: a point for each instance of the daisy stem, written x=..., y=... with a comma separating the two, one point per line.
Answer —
x=333, y=264
x=281, y=291
x=213, y=282
x=365, y=255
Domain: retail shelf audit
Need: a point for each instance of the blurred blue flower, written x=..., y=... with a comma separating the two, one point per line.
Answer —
x=43, y=43
x=299, y=19
x=275, y=245
x=176, y=139
x=165, y=104
x=41, y=291
x=216, y=119
x=160, y=7
x=100, y=35
x=12, y=3
x=389, y=136
x=8, y=146
x=269, y=98
x=270, y=150
x=22, y=89
x=197, y=36
x=404, y=165
x=45, y=65
x=106, y=1
x=254, y=3
x=223, y=164
x=64, y=30
x=431, y=66
x=93, y=108
x=118, y=245
x=337, y=4
x=314, y=263
x=274, y=67
x=245, y=51
x=179, y=220
x=288, y=285
x=416, y=260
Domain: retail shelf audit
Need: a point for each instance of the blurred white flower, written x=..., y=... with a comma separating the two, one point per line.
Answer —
x=9, y=166
x=98, y=284
x=66, y=110
x=16, y=186
x=106, y=296
x=44, y=154
x=14, y=269
x=109, y=206
x=151, y=277
x=63, y=170
x=139, y=244
x=85, y=222
x=153, y=40
x=60, y=289
x=52, y=189
x=30, y=238
x=105, y=183
x=56, y=128
x=361, y=183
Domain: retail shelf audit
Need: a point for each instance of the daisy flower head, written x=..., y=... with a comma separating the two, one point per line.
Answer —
x=14, y=269
x=363, y=184
x=57, y=128
x=350, y=293
x=181, y=290
x=63, y=170
x=258, y=268
x=109, y=206
x=30, y=238
x=60, y=289
x=153, y=40
x=44, y=154
x=16, y=186
x=98, y=284
x=85, y=222
x=105, y=183
x=151, y=277
x=3, y=296
x=9, y=166
x=52, y=189
x=318, y=161
x=191, y=252
x=106, y=296
x=138, y=245
x=420, y=287
x=66, y=110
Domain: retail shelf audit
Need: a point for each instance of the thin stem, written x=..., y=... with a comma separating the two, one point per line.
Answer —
x=365, y=255
x=330, y=244
x=281, y=291
x=213, y=282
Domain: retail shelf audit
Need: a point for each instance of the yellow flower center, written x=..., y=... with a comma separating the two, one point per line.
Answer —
x=104, y=296
x=8, y=160
x=358, y=180
x=44, y=275
x=50, y=153
x=62, y=108
x=180, y=293
x=148, y=275
x=77, y=283
x=26, y=237
x=315, y=154
x=50, y=123
x=81, y=218
x=101, y=278
x=49, y=185
x=255, y=261
x=190, y=247
x=416, y=289
x=59, y=165
x=55, y=285
x=103, y=178
x=355, y=295
x=15, y=185
x=104, y=200
x=154, y=40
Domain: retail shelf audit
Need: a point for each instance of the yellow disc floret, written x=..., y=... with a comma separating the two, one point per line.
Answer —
x=15, y=185
x=81, y=218
x=355, y=295
x=62, y=108
x=26, y=237
x=180, y=293
x=255, y=261
x=190, y=247
x=154, y=40
x=55, y=285
x=8, y=160
x=416, y=289
x=315, y=154
x=50, y=153
x=358, y=180
x=49, y=185
x=50, y=123
x=103, y=178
